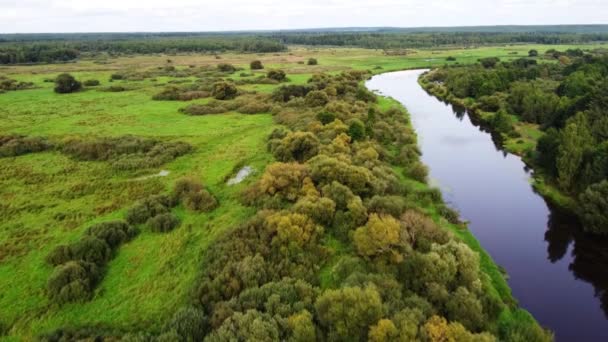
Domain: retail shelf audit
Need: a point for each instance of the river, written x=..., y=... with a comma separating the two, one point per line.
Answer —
x=556, y=272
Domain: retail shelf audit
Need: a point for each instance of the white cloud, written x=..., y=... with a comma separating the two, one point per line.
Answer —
x=217, y=15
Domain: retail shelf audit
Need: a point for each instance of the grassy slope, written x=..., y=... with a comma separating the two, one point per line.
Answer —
x=151, y=275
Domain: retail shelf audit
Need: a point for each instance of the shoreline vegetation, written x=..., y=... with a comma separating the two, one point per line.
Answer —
x=338, y=215
x=549, y=110
x=508, y=144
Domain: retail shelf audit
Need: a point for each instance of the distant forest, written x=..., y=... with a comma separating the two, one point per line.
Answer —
x=63, y=47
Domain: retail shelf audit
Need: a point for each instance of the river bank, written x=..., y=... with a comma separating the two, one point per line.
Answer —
x=523, y=147
x=555, y=270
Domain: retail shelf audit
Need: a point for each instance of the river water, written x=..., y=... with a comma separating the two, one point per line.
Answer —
x=556, y=272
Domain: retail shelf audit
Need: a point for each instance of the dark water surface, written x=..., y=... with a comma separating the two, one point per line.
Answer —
x=556, y=272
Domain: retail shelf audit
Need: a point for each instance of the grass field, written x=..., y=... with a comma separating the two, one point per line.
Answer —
x=48, y=199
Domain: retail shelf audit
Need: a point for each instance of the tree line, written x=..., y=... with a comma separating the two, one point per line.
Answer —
x=49, y=51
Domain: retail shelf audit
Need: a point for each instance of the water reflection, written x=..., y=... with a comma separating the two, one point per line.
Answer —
x=589, y=254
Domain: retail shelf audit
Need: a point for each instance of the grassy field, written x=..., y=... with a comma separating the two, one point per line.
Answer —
x=47, y=199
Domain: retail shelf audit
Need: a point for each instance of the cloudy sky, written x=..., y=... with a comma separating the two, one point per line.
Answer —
x=219, y=15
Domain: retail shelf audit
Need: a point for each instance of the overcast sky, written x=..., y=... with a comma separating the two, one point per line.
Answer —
x=220, y=15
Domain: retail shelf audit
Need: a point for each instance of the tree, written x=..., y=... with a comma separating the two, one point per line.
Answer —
x=594, y=208
x=574, y=141
x=312, y=61
x=249, y=326
x=383, y=331
x=533, y=53
x=256, y=65
x=347, y=313
x=66, y=83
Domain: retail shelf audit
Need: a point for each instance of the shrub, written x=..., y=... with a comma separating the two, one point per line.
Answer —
x=66, y=83
x=114, y=233
x=115, y=89
x=255, y=107
x=224, y=90
x=163, y=223
x=59, y=255
x=150, y=207
x=316, y=98
x=450, y=58
x=91, y=83
x=193, y=195
x=326, y=117
x=533, y=53
x=12, y=146
x=256, y=65
x=225, y=67
x=299, y=146
x=418, y=171
x=286, y=93
x=72, y=282
x=116, y=77
x=312, y=61
x=91, y=249
x=277, y=75
x=356, y=130
x=190, y=324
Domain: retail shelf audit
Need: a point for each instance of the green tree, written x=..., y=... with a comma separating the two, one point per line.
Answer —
x=66, y=83
x=575, y=139
x=533, y=53
x=594, y=208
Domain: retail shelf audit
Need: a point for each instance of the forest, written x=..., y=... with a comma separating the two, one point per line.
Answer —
x=45, y=48
x=565, y=95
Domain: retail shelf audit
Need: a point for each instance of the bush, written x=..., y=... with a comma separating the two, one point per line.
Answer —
x=224, y=90
x=114, y=233
x=316, y=98
x=66, y=83
x=326, y=117
x=72, y=282
x=116, y=77
x=225, y=67
x=163, y=223
x=148, y=208
x=286, y=93
x=533, y=53
x=418, y=171
x=190, y=324
x=91, y=83
x=91, y=249
x=256, y=65
x=12, y=146
x=450, y=58
x=356, y=130
x=115, y=89
x=193, y=195
x=277, y=75
x=312, y=61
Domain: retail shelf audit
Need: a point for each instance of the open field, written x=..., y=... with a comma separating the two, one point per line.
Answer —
x=48, y=198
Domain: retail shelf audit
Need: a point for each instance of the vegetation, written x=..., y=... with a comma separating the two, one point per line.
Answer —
x=332, y=213
x=564, y=99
